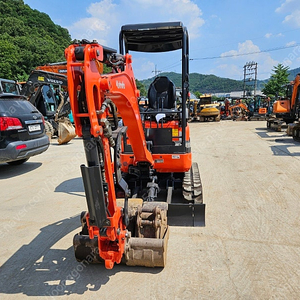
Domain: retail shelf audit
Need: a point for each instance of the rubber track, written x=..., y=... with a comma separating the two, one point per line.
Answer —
x=192, y=186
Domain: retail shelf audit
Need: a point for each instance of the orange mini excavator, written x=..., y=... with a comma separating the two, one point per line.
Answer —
x=287, y=110
x=139, y=177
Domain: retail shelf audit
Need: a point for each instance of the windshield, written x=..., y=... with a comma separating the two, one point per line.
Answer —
x=49, y=98
x=9, y=87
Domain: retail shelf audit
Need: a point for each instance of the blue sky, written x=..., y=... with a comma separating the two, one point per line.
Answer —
x=224, y=35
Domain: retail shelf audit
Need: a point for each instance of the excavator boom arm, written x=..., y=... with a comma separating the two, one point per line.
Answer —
x=120, y=88
x=106, y=220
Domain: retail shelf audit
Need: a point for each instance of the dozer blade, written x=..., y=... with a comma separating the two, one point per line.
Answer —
x=189, y=214
x=187, y=208
x=66, y=131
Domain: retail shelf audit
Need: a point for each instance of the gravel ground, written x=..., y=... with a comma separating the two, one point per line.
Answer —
x=249, y=249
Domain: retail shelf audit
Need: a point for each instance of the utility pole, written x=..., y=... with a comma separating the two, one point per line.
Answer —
x=156, y=72
x=250, y=78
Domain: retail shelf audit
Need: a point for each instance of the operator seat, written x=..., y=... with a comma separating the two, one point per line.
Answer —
x=162, y=94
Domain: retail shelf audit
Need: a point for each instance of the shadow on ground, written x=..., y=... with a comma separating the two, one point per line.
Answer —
x=264, y=133
x=39, y=269
x=8, y=171
x=72, y=186
x=284, y=143
x=284, y=150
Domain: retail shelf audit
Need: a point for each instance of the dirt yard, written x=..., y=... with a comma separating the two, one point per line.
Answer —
x=249, y=249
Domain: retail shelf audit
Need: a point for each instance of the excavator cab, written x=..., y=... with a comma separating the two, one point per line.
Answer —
x=165, y=126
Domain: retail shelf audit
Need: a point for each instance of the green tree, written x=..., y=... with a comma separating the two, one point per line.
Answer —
x=141, y=87
x=197, y=94
x=28, y=38
x=276, y=85
x=8, y=59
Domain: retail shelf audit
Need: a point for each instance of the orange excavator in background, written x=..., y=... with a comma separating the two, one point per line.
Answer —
x=139, y=177
x=239, y=111
x=59, y=67
x=286, y=110
x=224, y=111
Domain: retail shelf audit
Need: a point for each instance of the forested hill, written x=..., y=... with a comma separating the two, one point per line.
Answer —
x=213, y=84
x=293, y=73
x=203, y=83
x=28, y=38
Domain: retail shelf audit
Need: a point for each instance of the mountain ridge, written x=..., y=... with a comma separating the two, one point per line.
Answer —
x=211, y=84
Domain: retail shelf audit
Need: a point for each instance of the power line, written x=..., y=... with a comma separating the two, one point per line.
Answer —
x=249, y=38
x=227, y=56
x=243, y=54
x=175, y=64
x=231, y=55
x=156, y=72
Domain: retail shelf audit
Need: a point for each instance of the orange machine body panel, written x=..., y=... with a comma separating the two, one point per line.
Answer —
x=262, y=110
x=282, y=106
x=164, y=163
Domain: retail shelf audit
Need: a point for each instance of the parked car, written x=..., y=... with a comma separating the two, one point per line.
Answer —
x=22, y=130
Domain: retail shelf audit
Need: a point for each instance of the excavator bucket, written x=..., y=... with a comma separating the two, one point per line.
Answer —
x=66, y=131
x=147, y=238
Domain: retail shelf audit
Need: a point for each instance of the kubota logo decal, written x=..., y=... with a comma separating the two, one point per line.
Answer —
x=120, y=85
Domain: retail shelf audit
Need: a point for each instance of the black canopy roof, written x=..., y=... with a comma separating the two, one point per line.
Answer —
x=152, y=37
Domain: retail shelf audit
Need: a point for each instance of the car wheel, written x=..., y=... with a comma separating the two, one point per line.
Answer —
x=17, y=162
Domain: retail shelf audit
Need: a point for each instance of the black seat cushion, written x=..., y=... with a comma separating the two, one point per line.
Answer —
x=162, y=93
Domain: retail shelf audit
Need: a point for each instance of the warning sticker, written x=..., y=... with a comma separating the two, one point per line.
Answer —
x=159, y=161
x=175, y=131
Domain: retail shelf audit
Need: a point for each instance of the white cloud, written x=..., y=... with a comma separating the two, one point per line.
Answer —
x=102, y=24
x=107, y=17
x=232, y=67
x=90, y=29
x=293, y=19
x=148, y=11
x=228, y=71
x=292, y=56
x=288, y=5
x=269, y=35
x=291, y=43
x=291, y=8
x=243, y=48
x=143, y=68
